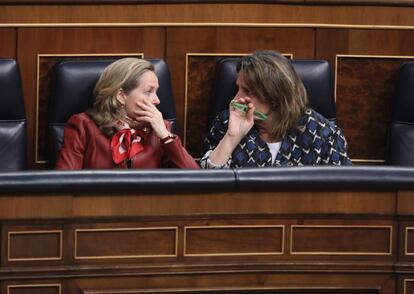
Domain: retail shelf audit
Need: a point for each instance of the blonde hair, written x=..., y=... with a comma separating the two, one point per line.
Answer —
x=271, y=77
x=122, y=74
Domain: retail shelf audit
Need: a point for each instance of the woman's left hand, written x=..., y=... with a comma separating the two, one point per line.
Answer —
x=149, y=114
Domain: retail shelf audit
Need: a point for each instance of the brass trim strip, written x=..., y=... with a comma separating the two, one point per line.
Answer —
x=125, y=229
x=367, y=160
x=231, y=289
x=209, y=24
x=59, y=286
x=340, y=253
x=235, y=226
x=141, y=55
x=337, y=56
x=60, y=232
x=373, y=56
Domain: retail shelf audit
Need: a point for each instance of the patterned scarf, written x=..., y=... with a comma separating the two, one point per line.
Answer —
x=126, y=143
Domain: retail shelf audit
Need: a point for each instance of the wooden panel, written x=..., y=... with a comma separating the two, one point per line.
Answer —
x=408, y=286
x=109, y=41
x=286, y=283
x=364, y=86
x=331, y=42
x=125, y=243
x=199, y=86
x=101, y=205
x=247, y=216
x=409, y=240
x=234, y=240
x=362, y=2
x=226, y=40
x=305, y=202
x=341, y=240
x=406, y=241
x=164, y=1
x=364, y=94
x=252, y=290
x=34, y=289
x=207, y=13
x=42, y=207
x=329, y=2
x=34, y=245
x=200, y=75
x=405, y=205
x=8, y=43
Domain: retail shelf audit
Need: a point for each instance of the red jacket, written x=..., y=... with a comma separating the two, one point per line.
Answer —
x=86, y=147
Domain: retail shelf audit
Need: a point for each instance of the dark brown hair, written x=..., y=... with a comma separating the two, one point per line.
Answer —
x=271, y=77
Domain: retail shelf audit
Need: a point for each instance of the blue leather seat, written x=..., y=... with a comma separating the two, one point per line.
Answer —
x=401, y=136
x=316, y=75
x=71, y=93
x=13, y=125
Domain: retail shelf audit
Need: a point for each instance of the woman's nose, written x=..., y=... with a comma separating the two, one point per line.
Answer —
x=155, y=100
x=238, y=95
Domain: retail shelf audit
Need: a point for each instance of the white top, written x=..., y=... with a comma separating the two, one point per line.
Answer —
x=274, y=149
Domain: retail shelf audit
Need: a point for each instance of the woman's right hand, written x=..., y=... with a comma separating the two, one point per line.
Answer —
x=240, y=122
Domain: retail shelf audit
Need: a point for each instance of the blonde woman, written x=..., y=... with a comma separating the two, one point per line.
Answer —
x=123, y=129
x=269, y=123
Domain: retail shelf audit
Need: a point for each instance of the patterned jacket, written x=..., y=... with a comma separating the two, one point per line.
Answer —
x=319, y=142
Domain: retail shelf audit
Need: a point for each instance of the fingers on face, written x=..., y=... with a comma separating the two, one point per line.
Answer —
x=150, y=114
x=243, y=100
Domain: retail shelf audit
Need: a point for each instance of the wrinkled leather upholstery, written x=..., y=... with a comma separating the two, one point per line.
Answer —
x=316, y=75
x=13, y=126
x=401, y=139
x=71, y=93
x=202, y=181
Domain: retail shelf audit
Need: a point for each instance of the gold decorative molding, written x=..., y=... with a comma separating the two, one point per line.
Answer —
x=10, y=233
x=233, y=290
x=280, y=227
x=406, y=241
x=389, y=252
x=126, y=230
x=10, y=287
x=207, y=24
x=64, y=56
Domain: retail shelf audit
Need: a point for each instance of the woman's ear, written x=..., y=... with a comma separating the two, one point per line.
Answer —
x=120, y=96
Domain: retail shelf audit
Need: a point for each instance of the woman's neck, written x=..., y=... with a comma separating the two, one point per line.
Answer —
x=265, y=129
x=267, y=137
